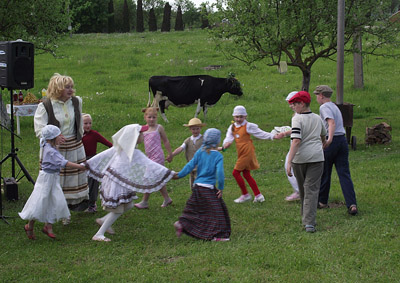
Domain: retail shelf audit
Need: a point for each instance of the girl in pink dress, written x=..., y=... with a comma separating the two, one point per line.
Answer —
x=152, y=144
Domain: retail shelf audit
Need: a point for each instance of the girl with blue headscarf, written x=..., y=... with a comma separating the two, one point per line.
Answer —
x=205, y=215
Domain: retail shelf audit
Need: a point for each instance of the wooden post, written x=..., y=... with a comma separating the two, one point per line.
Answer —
x=340, y=53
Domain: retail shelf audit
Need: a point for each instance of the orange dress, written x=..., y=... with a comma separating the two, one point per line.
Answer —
x=246, y=152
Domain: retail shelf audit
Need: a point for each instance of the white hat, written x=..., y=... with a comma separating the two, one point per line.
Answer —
x=290, y=95
x=49, y=132
x=239, y=111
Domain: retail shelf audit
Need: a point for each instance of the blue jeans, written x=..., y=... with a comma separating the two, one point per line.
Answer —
x=337, y=153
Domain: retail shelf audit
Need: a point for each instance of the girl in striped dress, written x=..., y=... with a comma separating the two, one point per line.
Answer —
x=205, y=215
x=152, y=144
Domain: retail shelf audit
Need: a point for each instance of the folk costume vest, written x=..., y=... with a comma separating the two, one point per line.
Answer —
x=191, y=147
x=52, y=118
x=245, y=149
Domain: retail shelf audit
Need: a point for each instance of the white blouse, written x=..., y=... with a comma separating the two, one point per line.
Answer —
x=251, y=129
x=64, y=113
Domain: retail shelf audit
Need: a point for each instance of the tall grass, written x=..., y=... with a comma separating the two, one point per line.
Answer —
x=268, y=243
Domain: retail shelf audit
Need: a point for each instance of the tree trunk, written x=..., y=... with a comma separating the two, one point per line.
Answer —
x=306, y=79
x=358, y=62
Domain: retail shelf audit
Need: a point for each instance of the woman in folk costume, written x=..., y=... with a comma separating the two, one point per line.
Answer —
x=123, y=171
x=64, y=110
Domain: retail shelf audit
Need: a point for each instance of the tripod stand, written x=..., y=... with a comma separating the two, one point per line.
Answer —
x=13, y=153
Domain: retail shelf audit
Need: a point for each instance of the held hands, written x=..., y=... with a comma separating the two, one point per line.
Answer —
x=175, y=177
x=289, y=169
x=169, y=158
x=279, y=136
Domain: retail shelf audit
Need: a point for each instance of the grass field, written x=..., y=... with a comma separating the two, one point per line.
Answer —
x=268, y=242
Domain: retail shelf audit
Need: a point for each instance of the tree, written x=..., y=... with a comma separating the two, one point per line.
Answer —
x=204, y=17
x=300, y=32
x=191, y=15
x=166, y=23
x=111, y=19
x=179, y=20
x=125, y=14
x=139, y=16
x=42, y=22
x=152, y=20
x=89, y=15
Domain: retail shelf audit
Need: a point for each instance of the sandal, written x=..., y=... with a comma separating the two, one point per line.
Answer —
x=46, y=231
x=353, y=209
x=29, y=232
x=322, y=205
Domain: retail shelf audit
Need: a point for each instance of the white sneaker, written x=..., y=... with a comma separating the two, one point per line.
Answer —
x=243, y=198
x=259, y=198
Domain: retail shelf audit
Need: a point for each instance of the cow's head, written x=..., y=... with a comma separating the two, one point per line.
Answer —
x=234, y=85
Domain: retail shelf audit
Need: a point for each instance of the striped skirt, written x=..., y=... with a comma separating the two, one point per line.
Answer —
x=205, y=216
x=74, y=182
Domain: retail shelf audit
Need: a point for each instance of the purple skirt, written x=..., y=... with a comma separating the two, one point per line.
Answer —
x=205, y=216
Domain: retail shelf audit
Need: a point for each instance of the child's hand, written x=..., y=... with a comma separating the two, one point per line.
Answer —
x=219, y=193
x=219, y=148
x=175, y=177
x=169, y=158
x=82, y=168
x=279, y=136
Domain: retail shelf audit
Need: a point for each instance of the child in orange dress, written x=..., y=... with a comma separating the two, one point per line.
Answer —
x=241, y=132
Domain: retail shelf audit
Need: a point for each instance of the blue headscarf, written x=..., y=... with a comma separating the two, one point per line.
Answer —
x=211, y=138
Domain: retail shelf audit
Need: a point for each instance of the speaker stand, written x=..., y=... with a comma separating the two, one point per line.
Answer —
x=13, y=153
x=3, y=217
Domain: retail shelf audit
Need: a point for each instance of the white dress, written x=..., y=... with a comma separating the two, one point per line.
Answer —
x=47, y=202
x=122, y=176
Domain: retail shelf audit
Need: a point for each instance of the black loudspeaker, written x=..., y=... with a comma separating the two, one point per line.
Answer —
x=11, y=188
x=16, y=64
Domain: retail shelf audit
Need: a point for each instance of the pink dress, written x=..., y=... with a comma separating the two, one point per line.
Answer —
x=152, y=146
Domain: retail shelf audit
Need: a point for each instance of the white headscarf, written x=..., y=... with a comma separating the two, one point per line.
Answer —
x=126, y=138
x=49, y=132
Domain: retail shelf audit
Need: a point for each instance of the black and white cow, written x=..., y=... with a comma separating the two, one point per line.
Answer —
x=186, y=90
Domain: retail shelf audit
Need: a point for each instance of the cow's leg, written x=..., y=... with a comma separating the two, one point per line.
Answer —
x=162, y=110
x=198, y=109
x=205, y=110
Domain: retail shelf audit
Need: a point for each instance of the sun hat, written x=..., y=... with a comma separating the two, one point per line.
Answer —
x=324, y=89
x=301, y=96
x=239, y=111
x=290, y=95
x=49, y=132
x=211, y=138
x=194, y=122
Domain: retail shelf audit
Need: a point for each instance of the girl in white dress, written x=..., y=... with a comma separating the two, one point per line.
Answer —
x=123, y=171
x=47, y=202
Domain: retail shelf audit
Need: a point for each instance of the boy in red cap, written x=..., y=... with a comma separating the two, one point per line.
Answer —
x=306, y=156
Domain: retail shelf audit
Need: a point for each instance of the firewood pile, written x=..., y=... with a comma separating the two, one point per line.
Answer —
x=379, y=134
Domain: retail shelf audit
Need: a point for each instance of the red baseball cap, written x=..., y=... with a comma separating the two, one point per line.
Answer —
x=301, y=96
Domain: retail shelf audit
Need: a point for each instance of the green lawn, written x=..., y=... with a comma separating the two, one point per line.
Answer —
x=268, y=242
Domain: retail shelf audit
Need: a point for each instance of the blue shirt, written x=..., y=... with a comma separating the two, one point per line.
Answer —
x=52, y=160
x=210, y=168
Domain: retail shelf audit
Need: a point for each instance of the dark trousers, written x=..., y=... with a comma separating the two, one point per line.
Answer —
x=337, y=154
x=93, y=191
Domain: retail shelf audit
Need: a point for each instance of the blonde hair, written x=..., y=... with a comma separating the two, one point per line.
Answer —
x=57, y=84
x=85, y=115
x=150, y=110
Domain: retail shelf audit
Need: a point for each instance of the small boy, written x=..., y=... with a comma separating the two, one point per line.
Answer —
x=191, y=144
x=90, y=139
x=336, y=151
x=306, y=156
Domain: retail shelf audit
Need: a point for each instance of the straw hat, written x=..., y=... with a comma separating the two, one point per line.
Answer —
x=194, y=122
